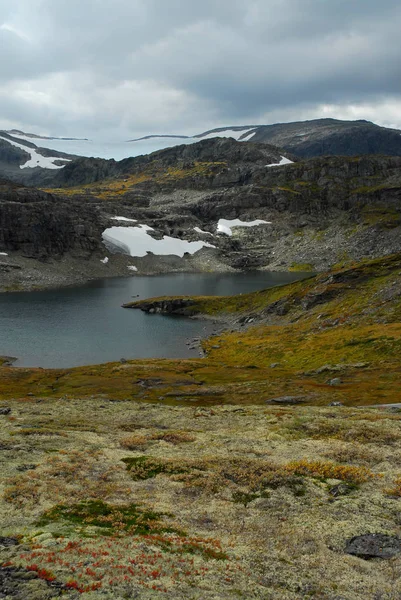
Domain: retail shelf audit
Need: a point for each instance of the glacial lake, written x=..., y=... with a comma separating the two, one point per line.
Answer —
x=86, y=325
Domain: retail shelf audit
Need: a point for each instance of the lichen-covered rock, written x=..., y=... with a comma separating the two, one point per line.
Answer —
x=374, y=545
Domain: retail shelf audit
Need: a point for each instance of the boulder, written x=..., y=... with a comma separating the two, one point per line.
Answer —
x=287, y=400
x=374, y=545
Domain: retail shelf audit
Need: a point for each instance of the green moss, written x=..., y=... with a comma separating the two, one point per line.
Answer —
x=146, y=467
x=110, y=517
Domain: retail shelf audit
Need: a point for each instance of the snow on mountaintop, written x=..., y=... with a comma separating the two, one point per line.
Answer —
x=36, y=160
x=124, y=149
x=235, y=133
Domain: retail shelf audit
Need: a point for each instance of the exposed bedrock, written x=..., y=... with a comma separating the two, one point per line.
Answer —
x=37, y=225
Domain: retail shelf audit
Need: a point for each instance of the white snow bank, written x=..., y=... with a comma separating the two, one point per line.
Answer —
x=132, y=268
x=3, y=254
x=105, y=260
x=248, y=137
x=124, y=219
x=283, y=161
x=137, y=242
x=36, y=160
x=198, y=230
x=224, y=225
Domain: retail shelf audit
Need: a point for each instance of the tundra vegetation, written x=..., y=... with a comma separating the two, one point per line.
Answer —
x=231, y=476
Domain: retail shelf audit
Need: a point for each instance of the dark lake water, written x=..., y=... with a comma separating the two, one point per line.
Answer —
x=86, y=325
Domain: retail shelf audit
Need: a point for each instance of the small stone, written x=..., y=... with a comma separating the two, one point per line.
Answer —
x=335, y=381
x=374, y=545
x=274, y=365
x=286, y=400
x=26, y=467
x=341, y=489
x=336, y=404
x=6, y=542
x=5, y=410
x=123, y=361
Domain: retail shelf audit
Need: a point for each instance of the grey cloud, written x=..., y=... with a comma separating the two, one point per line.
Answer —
x=101, y=65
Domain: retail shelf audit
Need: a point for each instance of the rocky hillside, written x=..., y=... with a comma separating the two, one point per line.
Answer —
x=307, y=215
x=318, y=212
x=322, y=137
x=37, y=225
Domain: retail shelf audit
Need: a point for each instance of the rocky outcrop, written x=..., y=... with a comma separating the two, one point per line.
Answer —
x=37, y=225
x=170, y=306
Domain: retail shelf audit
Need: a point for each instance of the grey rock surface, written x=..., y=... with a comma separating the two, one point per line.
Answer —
x=374, y=545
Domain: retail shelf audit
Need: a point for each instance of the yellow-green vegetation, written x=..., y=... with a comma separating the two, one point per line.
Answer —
x=188, y=479
x=385, y=216
x=301, y=267
x=342, y=325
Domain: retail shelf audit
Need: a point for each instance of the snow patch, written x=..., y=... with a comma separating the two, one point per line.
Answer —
x=232, y=133
x=104, y=260
x=135, y=241
x=283, y=161
x=198, y=230
x=132, y=268
x=224, y=225
x=3, y=254
x=36, y=160
x=248, y=137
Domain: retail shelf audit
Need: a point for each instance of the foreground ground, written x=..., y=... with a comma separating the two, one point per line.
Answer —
x=133, y=500
x=196, y=478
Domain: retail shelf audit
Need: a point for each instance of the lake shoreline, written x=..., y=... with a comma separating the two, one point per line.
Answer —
x=22, y=274
x=85, y=324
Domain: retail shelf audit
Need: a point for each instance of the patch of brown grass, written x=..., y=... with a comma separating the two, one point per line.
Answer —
x=65, y=477
x=396, y=489
x=330, y=470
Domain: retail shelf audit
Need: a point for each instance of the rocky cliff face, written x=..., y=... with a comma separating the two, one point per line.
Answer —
x=35, y=224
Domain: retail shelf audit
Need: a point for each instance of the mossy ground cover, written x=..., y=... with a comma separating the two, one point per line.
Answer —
x=251, y=502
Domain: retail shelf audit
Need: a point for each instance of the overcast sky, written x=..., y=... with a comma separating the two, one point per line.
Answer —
x=121, y=68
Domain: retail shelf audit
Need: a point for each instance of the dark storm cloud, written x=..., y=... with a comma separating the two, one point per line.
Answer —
x=119, y=66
